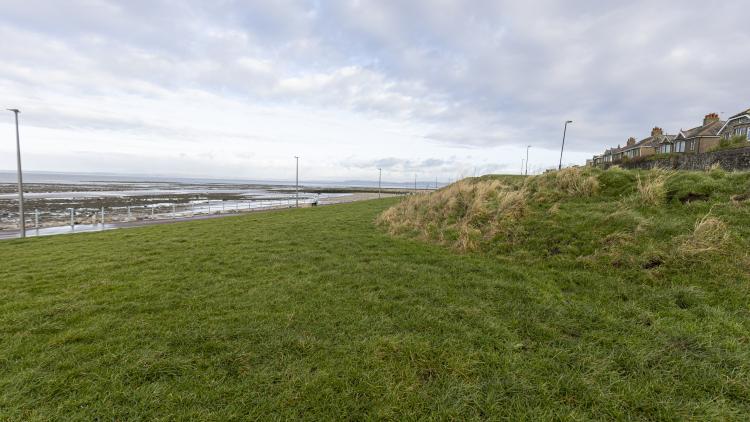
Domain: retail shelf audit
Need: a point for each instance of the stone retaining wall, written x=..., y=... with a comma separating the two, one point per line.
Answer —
x=730, y=159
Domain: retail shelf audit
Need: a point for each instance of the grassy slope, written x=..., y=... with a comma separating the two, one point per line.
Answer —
x=316, y=314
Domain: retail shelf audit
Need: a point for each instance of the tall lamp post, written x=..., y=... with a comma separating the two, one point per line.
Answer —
x=565, y=129
x=296, y=184
x=22, y=220
x=380, y=177
x=526, y=173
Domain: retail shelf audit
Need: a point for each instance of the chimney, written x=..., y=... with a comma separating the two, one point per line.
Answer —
x=631, y=142
x=656, y=131
x=710, y=118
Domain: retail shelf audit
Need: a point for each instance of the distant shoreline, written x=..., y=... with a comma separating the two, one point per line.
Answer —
x=9, y=177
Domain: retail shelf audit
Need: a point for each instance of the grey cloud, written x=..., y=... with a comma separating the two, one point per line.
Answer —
x=407, y=166
x=479, y=73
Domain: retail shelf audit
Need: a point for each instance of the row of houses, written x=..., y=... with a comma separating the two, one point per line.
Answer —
x=699, y=139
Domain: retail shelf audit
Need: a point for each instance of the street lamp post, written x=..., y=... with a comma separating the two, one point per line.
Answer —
x=22, y=220
x=380, y=177
x=526, y=173
x=296, y=184
x=565, y=129
x=415, y=184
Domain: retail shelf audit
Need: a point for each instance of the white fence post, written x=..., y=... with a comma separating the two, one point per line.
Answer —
x=102, y=217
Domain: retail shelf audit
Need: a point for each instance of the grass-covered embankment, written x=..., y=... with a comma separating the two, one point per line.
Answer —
x=650, y=220
x=318, y=314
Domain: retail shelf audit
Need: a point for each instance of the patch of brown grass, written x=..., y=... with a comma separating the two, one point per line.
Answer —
x=709, y=235
x=575, y=182
x=652, y=190
x=571, y=181
x=464, y=214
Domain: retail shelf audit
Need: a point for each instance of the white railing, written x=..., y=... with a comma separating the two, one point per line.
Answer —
x=40, y=222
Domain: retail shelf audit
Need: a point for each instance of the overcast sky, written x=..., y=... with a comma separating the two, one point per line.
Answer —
x=434, y=87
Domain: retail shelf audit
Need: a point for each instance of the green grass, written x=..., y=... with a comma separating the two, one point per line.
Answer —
x=318, y=314
x=738, y=141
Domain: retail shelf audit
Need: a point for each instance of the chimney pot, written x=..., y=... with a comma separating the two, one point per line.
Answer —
x=710, y=118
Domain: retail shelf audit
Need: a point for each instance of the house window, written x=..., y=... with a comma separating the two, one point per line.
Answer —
x=679, y=146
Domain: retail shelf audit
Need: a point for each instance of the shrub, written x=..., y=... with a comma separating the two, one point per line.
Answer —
x=738, y=141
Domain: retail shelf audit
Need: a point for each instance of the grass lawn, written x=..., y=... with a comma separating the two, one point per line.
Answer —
x=318, y=314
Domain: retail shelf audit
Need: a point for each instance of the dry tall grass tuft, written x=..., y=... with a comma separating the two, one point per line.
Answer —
x=572, y=181
x=652, y=191
x=575, y=182
x=464, y=214
x=709, y=235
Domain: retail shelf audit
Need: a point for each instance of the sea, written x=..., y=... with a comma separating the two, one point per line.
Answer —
x=94, y=178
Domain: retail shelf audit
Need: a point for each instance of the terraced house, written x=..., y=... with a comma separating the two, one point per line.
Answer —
x=698, y=140
x=647, y=146
x=737, y=125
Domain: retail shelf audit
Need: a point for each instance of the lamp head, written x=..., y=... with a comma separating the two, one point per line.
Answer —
x=569, y=121
x=15, y=110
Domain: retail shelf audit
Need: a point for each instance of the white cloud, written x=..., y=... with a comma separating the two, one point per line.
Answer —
x=234, y=90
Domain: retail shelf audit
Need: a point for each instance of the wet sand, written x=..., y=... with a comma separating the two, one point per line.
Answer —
x=67, y=208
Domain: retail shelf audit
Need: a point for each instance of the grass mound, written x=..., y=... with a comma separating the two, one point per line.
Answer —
x=615, y=217
x=464, y=214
